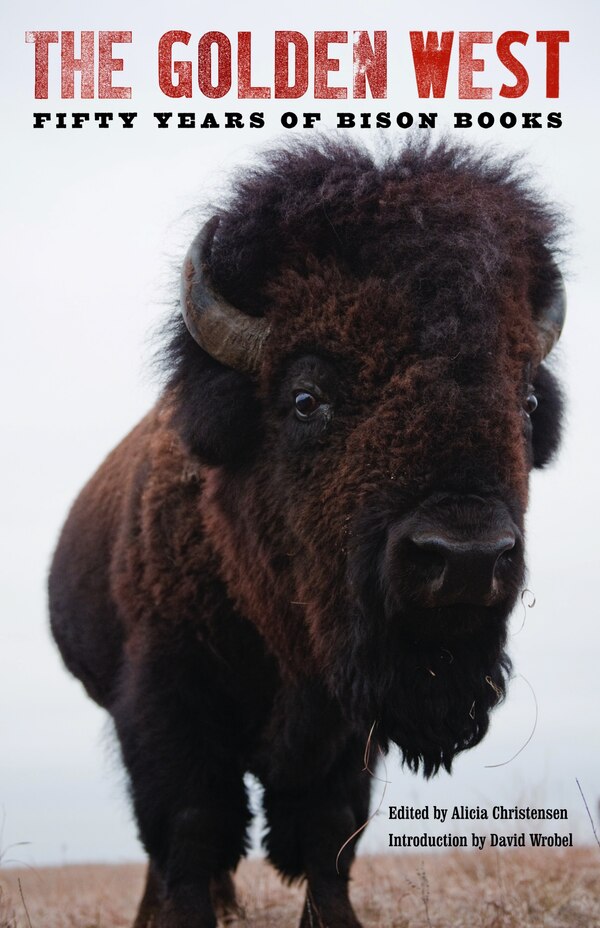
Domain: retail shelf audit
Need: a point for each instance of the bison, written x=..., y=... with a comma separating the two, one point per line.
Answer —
x=312, y=543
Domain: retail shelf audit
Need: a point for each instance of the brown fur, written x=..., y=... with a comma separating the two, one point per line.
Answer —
x=230, y=584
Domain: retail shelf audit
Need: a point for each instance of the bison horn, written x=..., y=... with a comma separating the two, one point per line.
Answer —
x=552, y=318
x=224, y=332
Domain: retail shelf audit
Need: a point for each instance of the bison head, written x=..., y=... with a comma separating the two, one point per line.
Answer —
x=365, y=385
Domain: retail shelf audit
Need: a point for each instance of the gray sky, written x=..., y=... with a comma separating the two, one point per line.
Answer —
x=94, y=223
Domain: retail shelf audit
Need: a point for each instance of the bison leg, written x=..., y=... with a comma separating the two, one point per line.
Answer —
x=186, y=785
x=150, y=902
x=306, y=834
x=223, y=897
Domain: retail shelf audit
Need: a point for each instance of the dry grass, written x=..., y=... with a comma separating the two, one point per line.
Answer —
x=477, y=889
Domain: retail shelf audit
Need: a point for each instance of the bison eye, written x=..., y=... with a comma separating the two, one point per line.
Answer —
x=531, y=402
x=305, y=404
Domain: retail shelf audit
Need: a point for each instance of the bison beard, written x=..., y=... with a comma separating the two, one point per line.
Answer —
x=433, y=702
x=319, y=526
x=427, y=677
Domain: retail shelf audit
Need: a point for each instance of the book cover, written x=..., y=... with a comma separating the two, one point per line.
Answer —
x=123, y=128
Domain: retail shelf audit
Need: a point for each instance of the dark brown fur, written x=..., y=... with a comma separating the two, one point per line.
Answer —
x=228, y=585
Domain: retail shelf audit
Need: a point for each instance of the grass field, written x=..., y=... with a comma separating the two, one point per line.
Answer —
x=476, y=889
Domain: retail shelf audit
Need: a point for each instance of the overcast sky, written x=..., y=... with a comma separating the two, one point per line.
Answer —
x=94, y=225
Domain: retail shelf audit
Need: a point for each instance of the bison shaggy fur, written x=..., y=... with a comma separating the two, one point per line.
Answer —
x=275, y=568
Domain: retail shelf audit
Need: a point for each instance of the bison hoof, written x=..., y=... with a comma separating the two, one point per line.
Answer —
x=224, y=901
x=336, y=917
x=186, y=908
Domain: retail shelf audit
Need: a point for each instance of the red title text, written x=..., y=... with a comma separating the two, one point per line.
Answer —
x=88, y=64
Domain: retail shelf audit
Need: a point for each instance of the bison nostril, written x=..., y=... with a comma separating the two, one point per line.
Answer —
x=507, y=546
x=504, y=557
x=428, y=561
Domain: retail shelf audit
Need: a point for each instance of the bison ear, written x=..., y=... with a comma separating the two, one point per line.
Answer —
x=216, y=411
x=547, y=419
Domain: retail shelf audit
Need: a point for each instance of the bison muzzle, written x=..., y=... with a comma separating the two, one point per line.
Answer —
x=315, y=538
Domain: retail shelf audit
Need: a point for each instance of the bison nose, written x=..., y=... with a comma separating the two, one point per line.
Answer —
x=454, y=570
